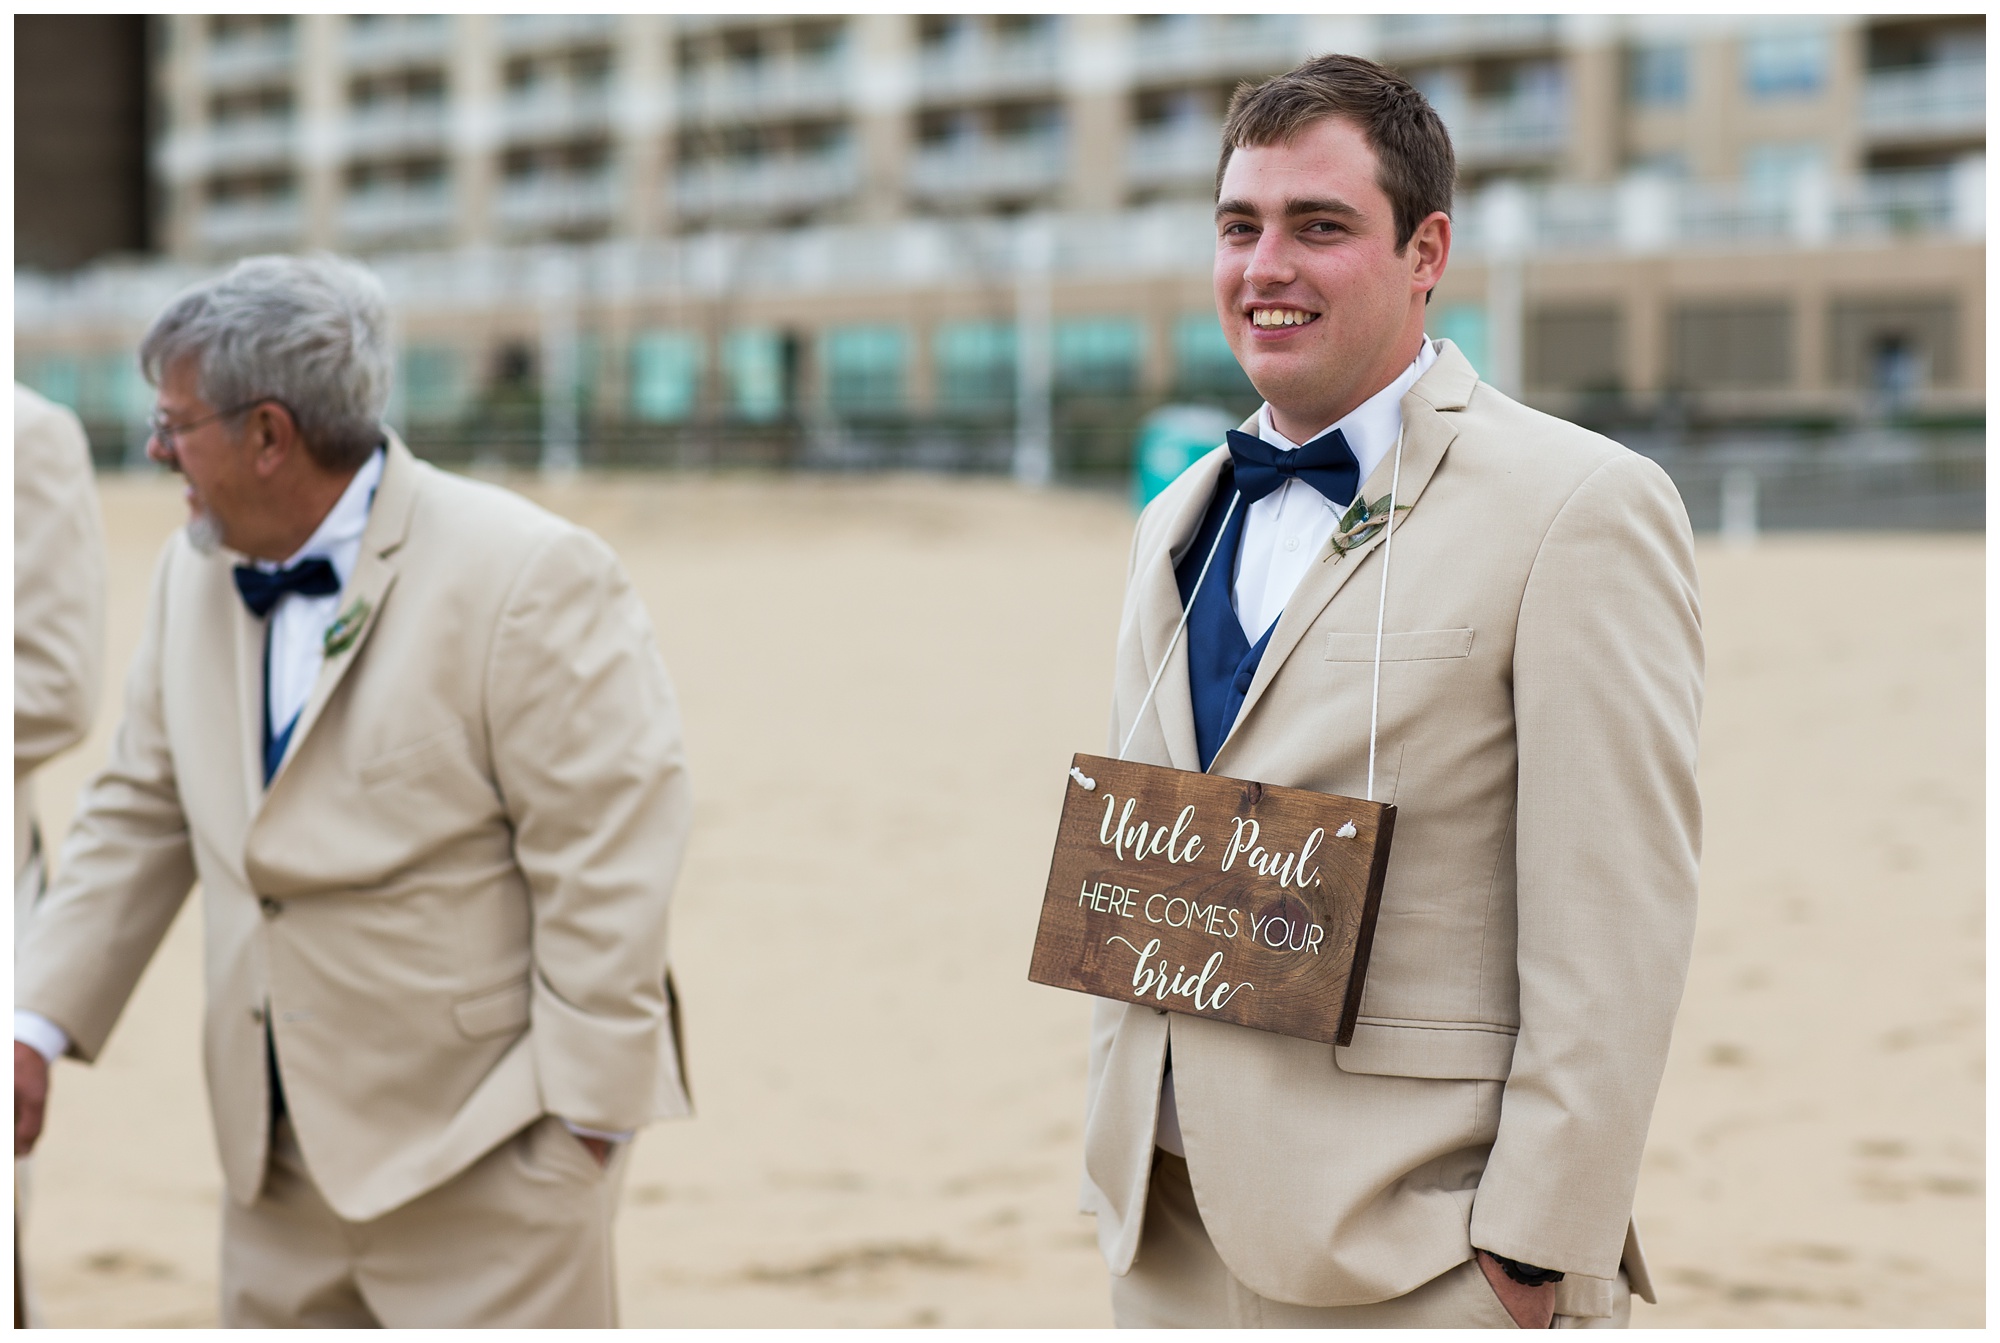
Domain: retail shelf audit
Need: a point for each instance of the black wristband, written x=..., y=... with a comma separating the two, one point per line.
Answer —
x=1525, y=1274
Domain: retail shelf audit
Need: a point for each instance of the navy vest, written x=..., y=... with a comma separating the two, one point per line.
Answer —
x=274, y=742
x=1221, y=659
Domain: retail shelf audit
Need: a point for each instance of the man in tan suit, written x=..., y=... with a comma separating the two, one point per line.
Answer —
x=58, y=644
x=413, y=737
x=1470, y=1159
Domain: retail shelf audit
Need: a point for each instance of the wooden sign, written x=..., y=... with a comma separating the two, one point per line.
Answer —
x=1239, y=901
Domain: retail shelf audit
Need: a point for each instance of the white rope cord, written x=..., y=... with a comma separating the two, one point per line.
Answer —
x=1382, y=611
x=1186, y=609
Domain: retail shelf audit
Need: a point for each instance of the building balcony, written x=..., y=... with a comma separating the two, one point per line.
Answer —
x=1408, y=37
x=253, y=142
x=1514, y=131
x=265, y=58
x=239, y=225
x=784, y=184
x=1946, y=101
x=1195, y=46
x=556, y=112
x=767, y=91
x=1177, y=151
x=967, y=69
x=546, y=203
x=402, y=213
x=392, y=41
x=983, y=169
x=530, y=32
x=395, y=128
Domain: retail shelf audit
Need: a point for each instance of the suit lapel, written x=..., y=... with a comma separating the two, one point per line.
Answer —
x=1426, y=435
x=361, y=600
x=1159, y=612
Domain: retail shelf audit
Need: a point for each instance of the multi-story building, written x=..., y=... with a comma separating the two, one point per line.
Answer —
x=615, y=231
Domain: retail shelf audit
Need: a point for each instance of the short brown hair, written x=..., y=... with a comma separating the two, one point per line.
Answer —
x=1411, y=145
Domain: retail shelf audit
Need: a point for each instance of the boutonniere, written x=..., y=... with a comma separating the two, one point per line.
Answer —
x=1358, y=526
x=346, y=628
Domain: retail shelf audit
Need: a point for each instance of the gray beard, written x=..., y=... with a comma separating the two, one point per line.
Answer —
x=204, y=533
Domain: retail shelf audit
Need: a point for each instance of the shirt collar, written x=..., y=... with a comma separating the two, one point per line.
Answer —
x=1371, y=427
x=338, y=537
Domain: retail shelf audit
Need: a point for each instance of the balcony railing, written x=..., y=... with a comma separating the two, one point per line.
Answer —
x=1191, y=45
x=982, y=68
x=526, y=31
x=550, y=203
x=1507, y=131
x=234, y=225
x=765, y=186
x=1179, y=151
x=395, y=127
x=987, y=168
x=378, y=214
x=414, y=39
x=250, y=142
x=1410, y=36
x=556, y=112
x=249, y=60
x=1948, y=98
x=765, y=91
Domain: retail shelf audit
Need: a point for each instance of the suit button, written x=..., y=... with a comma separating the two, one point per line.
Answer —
x=257, y=1015
x=271, y=907
x=1242, y=682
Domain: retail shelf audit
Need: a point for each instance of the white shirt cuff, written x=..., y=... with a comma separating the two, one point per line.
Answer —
x=603, y=1135
x=40, y=1034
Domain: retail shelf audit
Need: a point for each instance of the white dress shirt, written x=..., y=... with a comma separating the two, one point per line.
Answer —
x=1284, y=534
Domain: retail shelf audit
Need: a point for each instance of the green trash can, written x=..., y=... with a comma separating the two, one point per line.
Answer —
x=1171, y=440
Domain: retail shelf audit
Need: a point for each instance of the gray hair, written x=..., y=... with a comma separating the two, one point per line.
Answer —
x=309, y=332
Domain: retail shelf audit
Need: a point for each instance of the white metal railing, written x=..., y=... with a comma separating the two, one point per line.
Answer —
x=556, y=111
x=250, y=223
x=393, y=126
x=545, y=202
x=1178, y=151
x=248, y=59
x=1182, y=45
x=1406, y=36
x=988, y=167
x=975, y=67
x=733, y=92
x=251, y=140
x=383, y=212
x=518, y=31
x=407, y=39
x=1507, y=130
x=1942, y=99
x=765, y=186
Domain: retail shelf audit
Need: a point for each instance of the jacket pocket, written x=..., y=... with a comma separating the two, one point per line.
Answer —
x=494, y=1012
x=419, y=756
x=1399, y=646
x=1442, y=1049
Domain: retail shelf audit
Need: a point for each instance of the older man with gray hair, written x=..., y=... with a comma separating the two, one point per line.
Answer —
x=413, y=737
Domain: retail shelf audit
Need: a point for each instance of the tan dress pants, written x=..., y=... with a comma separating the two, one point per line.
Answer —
x=521, y=1238
x=1179, y=1281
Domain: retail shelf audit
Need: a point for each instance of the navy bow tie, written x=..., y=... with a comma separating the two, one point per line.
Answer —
x=1327, y=464
x=261, y=588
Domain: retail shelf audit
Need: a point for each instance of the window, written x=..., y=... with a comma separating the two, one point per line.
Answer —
x=1204, y=365
x=666, y=375
x=1464, y=325
x=1657, y=76
x=975, y=364
x=55, y=376
x=1732, y=345
x=1770, y=169
x=1098, y=355
x=433, y=383
x=753, y=361
x=864, y=368
x=1787, y=62
x=1895, y=344
x=1575, y=349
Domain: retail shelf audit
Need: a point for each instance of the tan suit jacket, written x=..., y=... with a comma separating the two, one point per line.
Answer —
x=1540, y=698
x=450, y=907
x=58, y=597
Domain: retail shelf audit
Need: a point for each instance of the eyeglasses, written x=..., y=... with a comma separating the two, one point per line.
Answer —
x=165, y=432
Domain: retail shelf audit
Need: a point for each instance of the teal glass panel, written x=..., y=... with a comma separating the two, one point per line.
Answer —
x=1464, y=325
x=753, y=363
x=666, y=375
x=975, y=363
x=57, y=377
x=1099, y=355
x=433, y=383
x=1204, y=365
x=864, y=367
